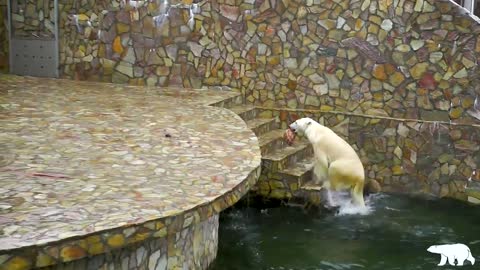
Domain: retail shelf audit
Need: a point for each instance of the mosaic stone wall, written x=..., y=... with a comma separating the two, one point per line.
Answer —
x=412, y=59
x=3, y=37
x=194, y=247
x=436, y=158
x=401, y=58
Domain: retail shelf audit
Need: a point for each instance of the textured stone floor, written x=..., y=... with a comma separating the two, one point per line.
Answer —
x=81, y=158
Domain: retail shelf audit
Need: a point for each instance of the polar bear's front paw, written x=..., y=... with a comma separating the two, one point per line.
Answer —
x=443, y=260
x=451, y=260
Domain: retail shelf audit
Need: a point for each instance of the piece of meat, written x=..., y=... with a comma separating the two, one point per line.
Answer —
x=289, y=136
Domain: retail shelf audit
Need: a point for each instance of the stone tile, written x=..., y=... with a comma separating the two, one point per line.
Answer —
x=84, y=159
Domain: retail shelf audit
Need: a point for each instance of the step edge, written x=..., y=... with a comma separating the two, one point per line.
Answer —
x=300, y=148
x=266, y=120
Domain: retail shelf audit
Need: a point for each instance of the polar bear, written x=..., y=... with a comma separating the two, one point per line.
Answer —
x=337, y=165
x=452, y=252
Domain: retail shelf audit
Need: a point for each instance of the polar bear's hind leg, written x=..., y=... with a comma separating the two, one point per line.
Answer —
x=342, y=176
x=462, y=257
x=470, y=258
x=357, y=194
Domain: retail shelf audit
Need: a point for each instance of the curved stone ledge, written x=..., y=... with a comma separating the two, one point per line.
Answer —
x=92, y=168
x=194, y=247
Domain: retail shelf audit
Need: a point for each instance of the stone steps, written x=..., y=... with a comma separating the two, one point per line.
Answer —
x=473, y=192
x=283, y=157
x=229, y=102
x=286, y=169
x=299, y=172
x=261, y=125
x=246, y=112
x=271, y=140
x=311, y=186
x=310, y=193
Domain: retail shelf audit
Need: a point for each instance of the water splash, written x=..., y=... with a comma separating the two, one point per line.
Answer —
x=164, y=7
x=123, y=3
x=251, y=12
x=350, y=209
x=343, y=201
x=475, y=110
x=160, y=19
x=470, y=179
x=136, y=3
x=196, y=9
x=164, y=13
x=455, y=47
x=474, y=173
x=191, y=20
x=439, y=126
x=434, y=127
x=76, y=22
x=193, y=9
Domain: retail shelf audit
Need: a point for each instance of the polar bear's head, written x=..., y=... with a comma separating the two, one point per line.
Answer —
x=433, y=249
x=301, y=125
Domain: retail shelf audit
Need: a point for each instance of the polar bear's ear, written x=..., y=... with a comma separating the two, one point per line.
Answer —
x=308, y=123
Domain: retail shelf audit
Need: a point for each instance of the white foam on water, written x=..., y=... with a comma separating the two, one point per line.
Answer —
x=345, y=206
x=351, y=209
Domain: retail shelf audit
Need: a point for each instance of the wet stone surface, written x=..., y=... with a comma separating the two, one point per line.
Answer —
x=121, y=164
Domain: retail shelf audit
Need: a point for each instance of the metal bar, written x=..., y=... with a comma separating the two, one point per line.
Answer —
x=57, y=45
x=469, y=5
x=9, y=35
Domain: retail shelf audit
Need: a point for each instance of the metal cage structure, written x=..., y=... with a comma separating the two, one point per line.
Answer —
x=33, y=55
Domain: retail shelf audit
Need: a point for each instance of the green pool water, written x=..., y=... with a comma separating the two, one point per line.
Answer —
x=394, y=235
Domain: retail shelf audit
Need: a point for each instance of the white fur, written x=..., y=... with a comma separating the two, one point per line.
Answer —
x=337, y=165
x=452, y=252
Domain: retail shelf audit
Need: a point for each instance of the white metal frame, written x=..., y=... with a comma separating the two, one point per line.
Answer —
x=469, y=5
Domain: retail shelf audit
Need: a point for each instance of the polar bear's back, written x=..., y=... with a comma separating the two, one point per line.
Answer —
x=458, y=246
x=333, y=145
x=449, y=248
